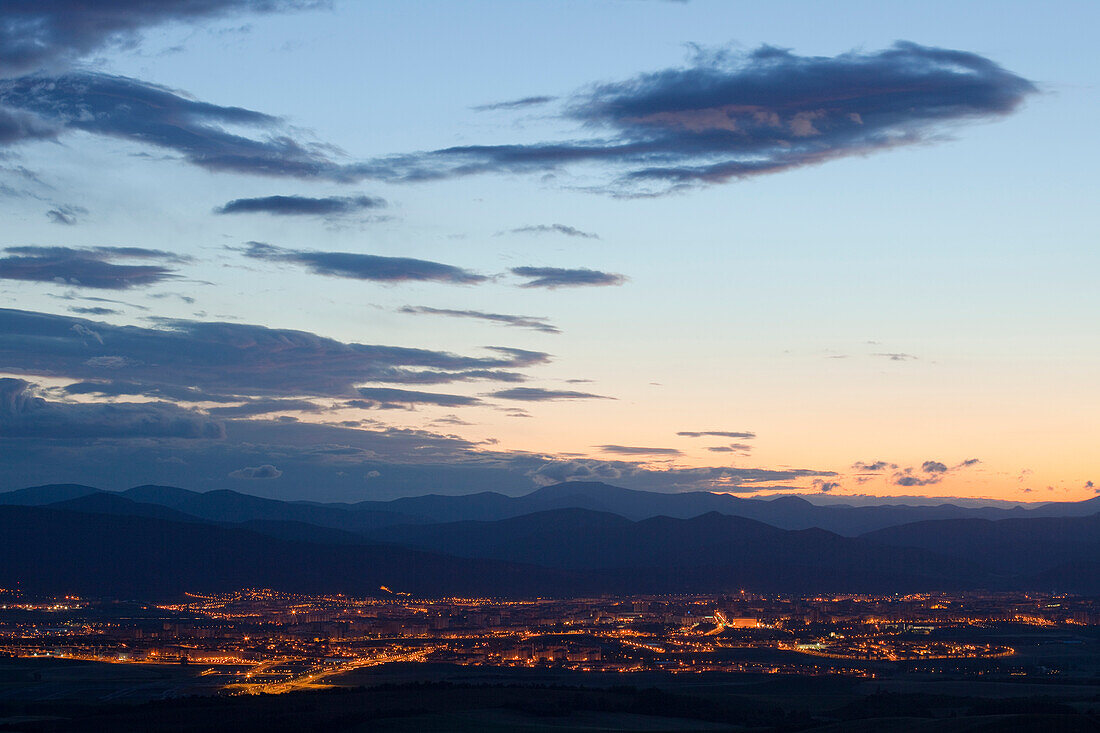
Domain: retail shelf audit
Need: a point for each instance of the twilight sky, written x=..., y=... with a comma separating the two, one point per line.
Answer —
x=347, y=250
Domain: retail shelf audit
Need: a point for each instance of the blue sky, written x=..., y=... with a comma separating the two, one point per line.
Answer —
x=926, y=302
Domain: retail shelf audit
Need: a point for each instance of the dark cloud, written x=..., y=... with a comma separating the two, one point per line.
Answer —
x=224, y=358
x=537, y=394
x=148, y=114
x=329, y=206
x=35, y=33
x=94, y=310
x=113, y=388
x=934, y=472
x=639, y=476
x=66, y=214
x=825, y=486
x=742, y=434
x=17, y=126
x=635, y=450
x=729, y=116
x=532, y=322
x=451, y=420
x=329, y=462
x=873, y=466
x=266, y=471
x=364, y=267
x=895, y=356
x=514, y=104
x=557, y=277
x=731, y=448
x=552, y=229
x=23, y=414
x=907, y=479
x=93, y=267
x=406, y=397
x=263, y=407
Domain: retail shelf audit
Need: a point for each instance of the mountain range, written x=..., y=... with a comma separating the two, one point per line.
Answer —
x=570, y=539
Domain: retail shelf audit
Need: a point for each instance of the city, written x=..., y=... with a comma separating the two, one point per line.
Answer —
x=260, y=640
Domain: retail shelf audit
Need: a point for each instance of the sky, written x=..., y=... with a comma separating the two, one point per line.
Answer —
x=359, y=250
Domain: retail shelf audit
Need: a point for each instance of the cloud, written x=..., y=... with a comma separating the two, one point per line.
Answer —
x=23, y=414
x=364, y=267
x=263, y=407
x=722, y=117
x=532, y=322
x=266, y=471
x=728, y=116
x=740, y=434
x=35, y=34
x=18, y=127
x=934, y=472
x=552, y=229
x=95, y=310
x=825, y=486
x=731, y=448
x=640, y=476
x=514, y=104
x=388, y=396
x=93, y=267
x=149, y=114
x=557, y=277
x=634, y=450
x=895, y=356
x=227, y=358
x=329, y=206
x=66, y=214
x=873, y=466
x=537, y=394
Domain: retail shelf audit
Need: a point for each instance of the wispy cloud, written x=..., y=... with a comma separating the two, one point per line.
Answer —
x=558, y=277
x=930, y=472
x=364, y=267
x=218, y=358
x=537, y=394
x=563, y=229
x=511, y=104
x=532, y=322
x=385, y=396
x=636, y=450
x=728, y=116
x=329, y=206
x=92, y=267
x=737, y=434
x=65, y=214
x=35, y=34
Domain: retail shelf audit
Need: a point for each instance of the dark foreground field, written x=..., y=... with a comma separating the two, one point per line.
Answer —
x=55, y=695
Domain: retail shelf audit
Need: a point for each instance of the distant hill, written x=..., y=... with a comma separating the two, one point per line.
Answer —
x=230, y=506
x=102, y=502
x=712, y=551
x=109, y=545
x=48, y=550
x=1007, y=548
x=48, y=494
x=785, y=512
